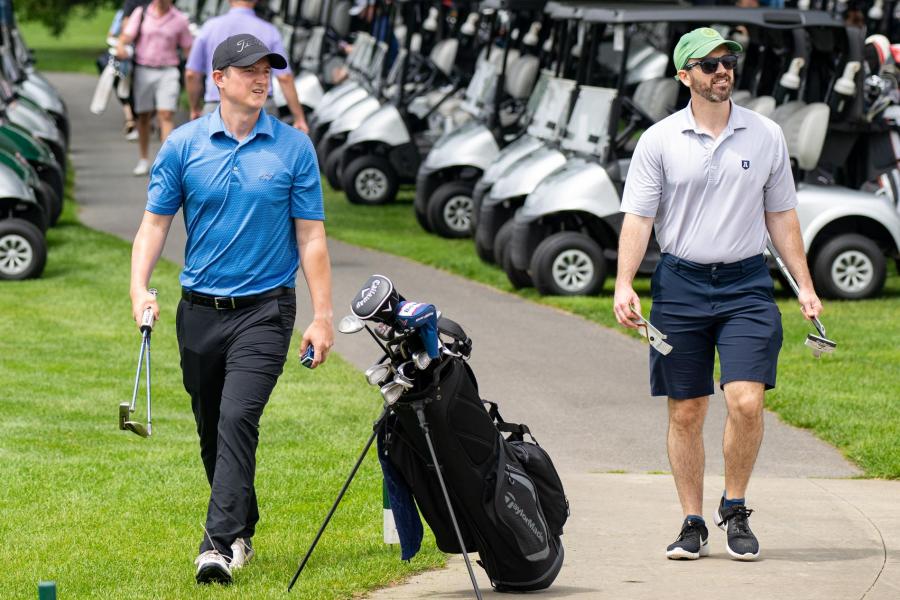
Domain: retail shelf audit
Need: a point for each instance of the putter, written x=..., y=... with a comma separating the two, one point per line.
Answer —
x=126, y=409
x=819, y=344
x=653, y=335
x=350, y=324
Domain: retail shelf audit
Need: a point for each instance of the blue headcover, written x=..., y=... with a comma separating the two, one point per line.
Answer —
x=422, y=317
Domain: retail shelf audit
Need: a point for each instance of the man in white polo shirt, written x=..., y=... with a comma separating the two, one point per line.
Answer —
x=714, y=179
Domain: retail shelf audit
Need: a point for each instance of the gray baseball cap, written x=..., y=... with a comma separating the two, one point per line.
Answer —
x=243, y=50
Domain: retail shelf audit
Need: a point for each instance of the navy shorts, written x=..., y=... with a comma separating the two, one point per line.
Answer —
x=701, y=308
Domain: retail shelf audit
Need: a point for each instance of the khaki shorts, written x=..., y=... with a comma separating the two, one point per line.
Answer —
x=156, y=88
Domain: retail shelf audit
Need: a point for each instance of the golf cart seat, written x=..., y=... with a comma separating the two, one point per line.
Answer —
x=741, y=96
x=521, y=75
x=310, y=10
x=764, y=105
x=804, y=132
x=340, y=17
x=657, y=97
x=443, y=55
x=784, y=112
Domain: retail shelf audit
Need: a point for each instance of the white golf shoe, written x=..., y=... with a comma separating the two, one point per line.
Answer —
x=212, y=567
x=142, y=168
x=241, y=553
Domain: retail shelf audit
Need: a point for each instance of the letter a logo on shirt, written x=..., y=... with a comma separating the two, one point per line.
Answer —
x=745, y=164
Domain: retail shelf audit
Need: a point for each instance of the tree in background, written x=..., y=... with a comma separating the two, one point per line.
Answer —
x=55, y=13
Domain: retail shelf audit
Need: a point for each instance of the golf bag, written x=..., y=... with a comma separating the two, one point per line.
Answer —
x=505, y=492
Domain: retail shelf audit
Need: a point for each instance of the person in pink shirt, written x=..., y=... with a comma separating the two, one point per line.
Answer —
x=157, y=32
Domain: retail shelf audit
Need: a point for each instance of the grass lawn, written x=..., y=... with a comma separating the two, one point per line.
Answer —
x=109, y=515
x=76, y=48
x=848, y=399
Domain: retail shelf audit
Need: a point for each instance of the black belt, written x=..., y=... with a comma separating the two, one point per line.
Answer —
x=232, y=302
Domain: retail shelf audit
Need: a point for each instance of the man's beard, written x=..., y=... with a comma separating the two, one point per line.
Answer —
x=711, y=92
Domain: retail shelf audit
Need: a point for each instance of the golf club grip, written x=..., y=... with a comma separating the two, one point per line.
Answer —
x=147, y=319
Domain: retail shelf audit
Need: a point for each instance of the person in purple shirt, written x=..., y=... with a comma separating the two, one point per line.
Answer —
x=241, y=18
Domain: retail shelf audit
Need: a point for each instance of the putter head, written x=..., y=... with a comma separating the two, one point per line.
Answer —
x=123, y=414
x=137, y=428
x=819, y=345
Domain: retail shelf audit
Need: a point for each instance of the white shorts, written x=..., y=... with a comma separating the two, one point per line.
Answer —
x=156, y=88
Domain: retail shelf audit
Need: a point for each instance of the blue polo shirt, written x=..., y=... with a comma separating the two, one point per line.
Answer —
x=239, y=200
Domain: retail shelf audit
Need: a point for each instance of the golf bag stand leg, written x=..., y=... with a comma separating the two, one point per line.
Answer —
x=419, y=407
x=340, y=496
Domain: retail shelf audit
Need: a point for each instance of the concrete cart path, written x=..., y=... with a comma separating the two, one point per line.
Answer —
x=582, y=388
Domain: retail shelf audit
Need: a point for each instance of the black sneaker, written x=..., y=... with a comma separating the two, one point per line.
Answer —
x=691, y=543
x=742, y=544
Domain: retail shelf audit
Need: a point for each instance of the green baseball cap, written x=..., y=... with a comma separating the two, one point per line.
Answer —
x=698, y=43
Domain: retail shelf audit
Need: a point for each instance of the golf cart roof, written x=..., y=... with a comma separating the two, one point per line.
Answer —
x=514, y=5
x=763, y=17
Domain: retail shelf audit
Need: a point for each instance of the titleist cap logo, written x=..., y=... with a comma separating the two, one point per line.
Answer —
x=246, y=43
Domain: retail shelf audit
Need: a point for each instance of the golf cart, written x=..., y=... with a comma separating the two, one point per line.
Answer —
x=447, y=176
x=23, y=249
x=388, y=147
x=566, y=234
x=643, y=94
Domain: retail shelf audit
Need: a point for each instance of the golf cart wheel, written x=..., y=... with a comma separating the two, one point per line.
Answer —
x=568, y=263
x=370, y=180
x=502, y=241
x=51, y=201
x=332, y=167
x=422, y=218
x=23, y=250
x=517, y=277
x=484, y=251
x=849, y=267
x=450, y=210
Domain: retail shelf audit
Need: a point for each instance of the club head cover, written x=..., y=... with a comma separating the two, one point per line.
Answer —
x=422, y=318
x=377, y=300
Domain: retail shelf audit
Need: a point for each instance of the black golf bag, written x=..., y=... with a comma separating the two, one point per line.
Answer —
x=505, y=492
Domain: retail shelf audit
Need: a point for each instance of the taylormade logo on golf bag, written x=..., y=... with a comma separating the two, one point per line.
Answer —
x=368, y=293
x=512, y=505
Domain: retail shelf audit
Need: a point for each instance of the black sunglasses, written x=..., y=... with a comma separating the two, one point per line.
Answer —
x=711, y=65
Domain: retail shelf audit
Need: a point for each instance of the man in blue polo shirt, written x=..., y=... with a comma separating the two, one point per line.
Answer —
x=714, y=179
x=248, y=186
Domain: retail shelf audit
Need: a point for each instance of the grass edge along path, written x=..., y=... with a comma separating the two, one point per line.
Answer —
x=848, y=399
x=109, y=515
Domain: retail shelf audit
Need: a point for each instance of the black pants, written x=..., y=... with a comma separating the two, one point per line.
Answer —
x=230, y=361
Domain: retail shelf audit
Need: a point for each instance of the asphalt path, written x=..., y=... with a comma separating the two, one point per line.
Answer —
x=582, y=388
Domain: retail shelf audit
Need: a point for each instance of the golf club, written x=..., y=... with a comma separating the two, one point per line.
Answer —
x=653, y=335
x=378, y=373
x=126, y=409
x=391, y=392
x=350, y=324
x=819, y=344
x=421, y=359
x=402, y=378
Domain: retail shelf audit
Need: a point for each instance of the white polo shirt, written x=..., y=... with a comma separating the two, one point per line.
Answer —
x=708, y=197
